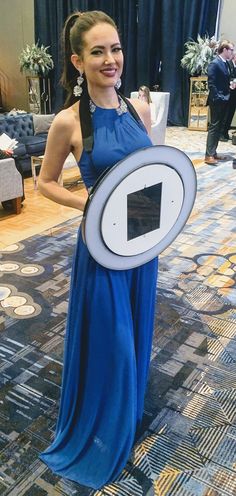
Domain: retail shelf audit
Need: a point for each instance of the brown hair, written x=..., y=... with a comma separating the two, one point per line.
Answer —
x=75, y=27
x=224, y=44
x=146, y=91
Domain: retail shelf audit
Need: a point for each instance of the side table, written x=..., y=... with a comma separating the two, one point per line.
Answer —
x=37, y=162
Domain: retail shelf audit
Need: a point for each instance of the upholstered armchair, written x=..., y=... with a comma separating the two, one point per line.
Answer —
x=161, y=101
x=10, y=184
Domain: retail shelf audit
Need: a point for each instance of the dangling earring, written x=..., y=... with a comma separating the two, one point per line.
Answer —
x=77, y=91
x=118, y=84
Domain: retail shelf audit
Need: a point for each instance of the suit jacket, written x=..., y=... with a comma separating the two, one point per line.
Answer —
x=218, y=81
x=232, y=70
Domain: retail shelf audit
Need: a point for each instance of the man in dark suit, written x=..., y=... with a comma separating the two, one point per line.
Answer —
x=232, y=101
x=219, y=93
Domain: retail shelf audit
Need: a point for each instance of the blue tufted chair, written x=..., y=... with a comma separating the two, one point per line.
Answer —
x=21, y=128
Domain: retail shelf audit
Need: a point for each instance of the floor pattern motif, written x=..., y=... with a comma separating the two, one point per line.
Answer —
x=187, y=445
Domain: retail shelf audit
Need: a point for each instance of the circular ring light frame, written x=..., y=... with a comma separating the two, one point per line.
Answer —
x=107, y=206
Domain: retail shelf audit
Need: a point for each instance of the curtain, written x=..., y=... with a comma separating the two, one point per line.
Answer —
x=49, y=19
x=125, y=15
x=152, y=33
x=182, y=20
x=149, y=42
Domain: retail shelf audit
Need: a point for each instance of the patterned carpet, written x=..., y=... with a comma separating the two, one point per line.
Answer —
x=187, y=446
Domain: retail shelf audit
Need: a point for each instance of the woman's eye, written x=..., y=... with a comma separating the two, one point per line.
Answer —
x=100, y=52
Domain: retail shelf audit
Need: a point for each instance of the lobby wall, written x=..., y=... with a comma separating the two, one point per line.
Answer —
x=16, y=30
x=227, y=21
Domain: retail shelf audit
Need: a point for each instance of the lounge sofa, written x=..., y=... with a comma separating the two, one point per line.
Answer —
x=30, y=130
x=11, y=185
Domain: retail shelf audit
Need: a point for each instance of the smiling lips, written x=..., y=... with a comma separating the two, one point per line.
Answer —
x=109, y=71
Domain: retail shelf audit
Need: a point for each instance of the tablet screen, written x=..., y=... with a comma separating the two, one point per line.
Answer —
x=143, y=211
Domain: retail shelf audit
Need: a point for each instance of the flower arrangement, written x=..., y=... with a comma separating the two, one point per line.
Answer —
x=36, y=60
x=199, y=54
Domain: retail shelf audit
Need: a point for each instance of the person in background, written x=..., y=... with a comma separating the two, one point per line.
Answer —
x=219, y=93
x=232, y=100
x=111, y=312
x=144, y=95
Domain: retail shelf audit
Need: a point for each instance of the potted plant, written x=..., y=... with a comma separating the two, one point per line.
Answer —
x=197, y=57
x=35, y=60
x=199, y=54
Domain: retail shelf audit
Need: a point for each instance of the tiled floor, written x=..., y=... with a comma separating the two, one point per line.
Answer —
x=194, y=143
x=188, y=440
x=38, y=213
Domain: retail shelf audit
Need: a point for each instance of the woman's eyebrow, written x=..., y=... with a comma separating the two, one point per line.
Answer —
x=102, y=46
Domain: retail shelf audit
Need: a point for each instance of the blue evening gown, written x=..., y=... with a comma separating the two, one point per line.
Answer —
x=108, y=339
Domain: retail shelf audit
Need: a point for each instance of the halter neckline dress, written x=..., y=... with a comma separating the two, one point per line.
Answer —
x=108, y=337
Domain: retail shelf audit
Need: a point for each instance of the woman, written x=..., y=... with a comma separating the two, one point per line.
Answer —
x=144, y=95
x=111, y=313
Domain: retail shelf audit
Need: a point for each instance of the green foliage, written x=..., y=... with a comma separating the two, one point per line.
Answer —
x=199, y=54
x=35, y=60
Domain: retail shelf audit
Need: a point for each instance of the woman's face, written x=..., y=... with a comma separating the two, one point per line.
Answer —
x=102, y=57
x=142, y=96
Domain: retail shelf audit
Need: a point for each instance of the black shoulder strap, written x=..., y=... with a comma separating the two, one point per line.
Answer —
x=86, y=119
x=86, y=122
x=131, y=109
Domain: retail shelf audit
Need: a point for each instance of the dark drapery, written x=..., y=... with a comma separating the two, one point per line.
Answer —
x=182, y=20
x=149, y=42
x=49, y=19
x=153, y=34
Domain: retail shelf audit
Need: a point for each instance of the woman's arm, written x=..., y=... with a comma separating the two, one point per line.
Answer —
x=63, y=137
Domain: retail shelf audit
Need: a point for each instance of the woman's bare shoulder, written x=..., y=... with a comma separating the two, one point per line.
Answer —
x=66, y=118
x=65, y=126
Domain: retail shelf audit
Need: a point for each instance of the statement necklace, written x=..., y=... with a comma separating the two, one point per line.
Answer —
x=119, y=110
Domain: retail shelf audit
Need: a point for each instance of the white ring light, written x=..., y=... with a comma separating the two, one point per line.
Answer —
x=158, y=181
